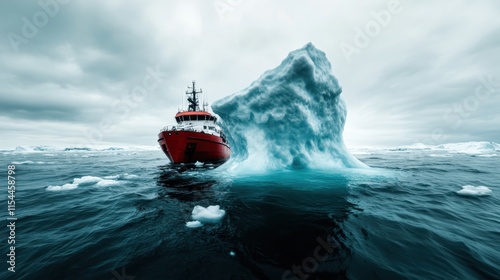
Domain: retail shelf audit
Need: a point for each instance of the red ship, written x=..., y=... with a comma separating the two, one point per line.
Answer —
x=196, y=137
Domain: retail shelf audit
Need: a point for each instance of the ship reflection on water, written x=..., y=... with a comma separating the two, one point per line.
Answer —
x=183, y=182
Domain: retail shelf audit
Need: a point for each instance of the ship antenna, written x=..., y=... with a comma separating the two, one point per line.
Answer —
x=193, y=99
x=204, y=101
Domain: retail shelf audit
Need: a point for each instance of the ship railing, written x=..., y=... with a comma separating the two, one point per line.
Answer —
x=180, y=128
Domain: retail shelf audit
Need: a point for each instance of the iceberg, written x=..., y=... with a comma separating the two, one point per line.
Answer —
x=292, y=117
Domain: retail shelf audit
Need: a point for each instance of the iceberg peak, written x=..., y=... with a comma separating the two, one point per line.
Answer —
x=290, y=117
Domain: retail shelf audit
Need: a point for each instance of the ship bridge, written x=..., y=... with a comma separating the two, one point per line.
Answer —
x=195, y=116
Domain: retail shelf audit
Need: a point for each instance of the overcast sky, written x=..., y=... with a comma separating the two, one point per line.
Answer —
x=79, y=72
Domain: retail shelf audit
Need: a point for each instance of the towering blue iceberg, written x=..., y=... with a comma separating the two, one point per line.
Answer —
x=291, y=117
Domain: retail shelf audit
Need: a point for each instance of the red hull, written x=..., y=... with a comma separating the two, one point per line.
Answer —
x=191, y=146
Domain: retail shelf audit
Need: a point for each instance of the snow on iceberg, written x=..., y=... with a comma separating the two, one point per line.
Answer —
x=290, y=117
x=469, y=190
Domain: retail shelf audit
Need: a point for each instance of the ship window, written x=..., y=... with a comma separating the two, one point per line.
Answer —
x=202, y=118
x=192, y=118
x=211, y=118
x=178, y=119
x=204, y=127
x=182, y=118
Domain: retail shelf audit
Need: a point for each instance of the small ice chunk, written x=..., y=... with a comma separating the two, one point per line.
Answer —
x=194, y=224
x=469, y=190
x=86, y=180
x=64, y=187
x=198, y=163
x=211, y=214
x=232, y=254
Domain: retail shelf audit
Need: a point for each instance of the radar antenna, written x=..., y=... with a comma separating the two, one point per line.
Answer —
x=193, y=99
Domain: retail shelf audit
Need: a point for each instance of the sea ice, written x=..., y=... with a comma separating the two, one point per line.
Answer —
x=211, y=214
x=194, y=224
x=63, y=187
x=201, y=215
x=469, y=190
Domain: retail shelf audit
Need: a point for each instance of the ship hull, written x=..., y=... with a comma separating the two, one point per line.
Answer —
x=191, y=146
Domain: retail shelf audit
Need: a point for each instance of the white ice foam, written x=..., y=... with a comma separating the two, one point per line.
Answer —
x=107, y=183
x=30, y=162
x=23, y=162
x=440, y=155
x=469, y=190
x=488, y=155
x=124, y=176
x=210, y=215
x=64, y=187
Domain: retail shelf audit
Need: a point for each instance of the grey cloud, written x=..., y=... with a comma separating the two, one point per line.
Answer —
x=93, y=53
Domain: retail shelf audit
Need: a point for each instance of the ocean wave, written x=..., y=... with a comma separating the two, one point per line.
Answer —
x=124, y=176
x=30, y=162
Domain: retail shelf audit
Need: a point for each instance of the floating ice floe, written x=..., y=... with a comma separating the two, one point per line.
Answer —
x=194, y=224
x=469, y=190
x=107, y=181
x=64, y=187
x=44, y=149
x=201, y=215
x=86, y=180
x=479, y=149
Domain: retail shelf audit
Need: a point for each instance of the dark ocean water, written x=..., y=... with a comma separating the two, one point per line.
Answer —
x=402, y=219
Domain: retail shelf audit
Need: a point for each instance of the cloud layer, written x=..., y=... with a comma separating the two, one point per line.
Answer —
x=72, y=72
